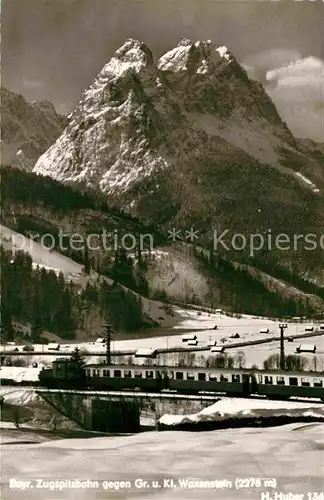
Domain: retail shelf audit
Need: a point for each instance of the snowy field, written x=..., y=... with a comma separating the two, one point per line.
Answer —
x=20, y=374
x=256, y=354
x=290, y=456
x=247, y=327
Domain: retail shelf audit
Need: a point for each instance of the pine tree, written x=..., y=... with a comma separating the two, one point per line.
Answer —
x=7, y=331
x=77, y=359
x=36, y=328
x=87, y=263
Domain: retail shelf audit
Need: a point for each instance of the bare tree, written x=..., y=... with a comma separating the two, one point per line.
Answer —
x=201, y=361
x=240, y=359
x=186, y=359
x=16, y=416
x=292, y=363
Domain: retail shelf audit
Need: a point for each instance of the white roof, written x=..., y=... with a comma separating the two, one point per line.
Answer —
x=189, y=336
x=217, y=349
x=145, y=352
x=307, y=347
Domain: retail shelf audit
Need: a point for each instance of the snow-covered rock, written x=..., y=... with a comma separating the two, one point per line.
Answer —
x=232, y=408
x=27, y=129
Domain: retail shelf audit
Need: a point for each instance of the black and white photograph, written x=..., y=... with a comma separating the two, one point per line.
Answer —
x=162, y=250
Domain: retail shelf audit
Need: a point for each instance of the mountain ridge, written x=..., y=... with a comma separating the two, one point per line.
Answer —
x=196, y=86
x=27, y=129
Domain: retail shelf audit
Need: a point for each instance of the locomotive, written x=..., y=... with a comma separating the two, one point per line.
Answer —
x=185, y=380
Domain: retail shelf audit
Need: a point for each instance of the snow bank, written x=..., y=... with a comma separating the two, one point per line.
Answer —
x=232, y=408
x=20, y=374
x=291, y=454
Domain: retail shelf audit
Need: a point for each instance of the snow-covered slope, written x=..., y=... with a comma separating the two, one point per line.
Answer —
x=27, y=129
x=42, y=256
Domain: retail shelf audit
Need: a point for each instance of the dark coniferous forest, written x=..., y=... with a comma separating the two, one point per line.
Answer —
x=43, y=300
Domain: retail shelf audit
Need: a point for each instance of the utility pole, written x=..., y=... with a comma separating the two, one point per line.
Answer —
x=282, y=328
x=108, y=343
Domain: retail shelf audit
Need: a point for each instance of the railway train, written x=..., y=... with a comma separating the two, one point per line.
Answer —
x=185, y=380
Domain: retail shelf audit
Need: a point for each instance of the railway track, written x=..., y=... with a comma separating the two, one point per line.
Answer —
x=213, y=397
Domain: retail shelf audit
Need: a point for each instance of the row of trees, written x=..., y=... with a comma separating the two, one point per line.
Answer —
x=19, y=186
x=238, y=361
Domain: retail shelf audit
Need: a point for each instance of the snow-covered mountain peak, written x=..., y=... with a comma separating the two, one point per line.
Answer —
x=132, y=56
x=45, y=106
x=138, y=119
x=199, y=57
x=134, y=49
x=185, y=42
x=119, y=79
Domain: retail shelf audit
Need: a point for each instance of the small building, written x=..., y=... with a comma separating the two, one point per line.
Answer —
x=188, y=337
x=148, y=352
x=309, y=328
x=235, y=336
x=217, y=349
x=321, y=327
x=264, y=330
x=219, y=311
x=28, y=347
x=53, y=346
x=192, y=342
x=211, y=343
x=306, y=348
x=100, y=341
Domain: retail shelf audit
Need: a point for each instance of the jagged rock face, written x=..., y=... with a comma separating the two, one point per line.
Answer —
x=137, y=115
x=186, y=140
x=27, y=129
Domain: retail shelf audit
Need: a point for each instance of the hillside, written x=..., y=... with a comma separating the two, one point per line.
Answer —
x=27, y=129
x=191, y=141
x=36, y=206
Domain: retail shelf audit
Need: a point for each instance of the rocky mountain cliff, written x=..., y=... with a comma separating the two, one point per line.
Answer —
x=190, y=140
x=27, y=129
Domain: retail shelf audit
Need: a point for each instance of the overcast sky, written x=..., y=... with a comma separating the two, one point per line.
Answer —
x=52, y=49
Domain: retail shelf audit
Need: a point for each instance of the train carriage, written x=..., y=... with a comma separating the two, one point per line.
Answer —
x=192, y=380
